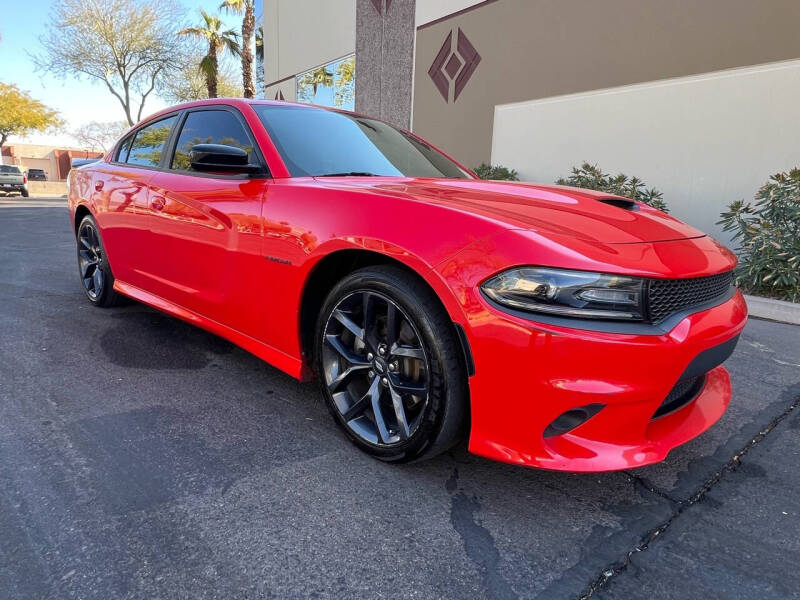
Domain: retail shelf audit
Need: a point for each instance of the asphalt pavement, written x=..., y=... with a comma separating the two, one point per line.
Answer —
x=141, y=457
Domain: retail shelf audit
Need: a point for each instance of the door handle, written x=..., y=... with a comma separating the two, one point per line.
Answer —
x=158, y=203
x=98, y=185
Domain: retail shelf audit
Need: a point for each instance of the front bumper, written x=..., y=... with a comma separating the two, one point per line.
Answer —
x=528, y=374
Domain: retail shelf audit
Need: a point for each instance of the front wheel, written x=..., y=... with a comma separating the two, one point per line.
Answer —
x=390, y=365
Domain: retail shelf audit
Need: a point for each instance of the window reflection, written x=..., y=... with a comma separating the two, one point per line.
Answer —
x=316, y=142
x=209, y=127
x=148, y=145
x=333, y=84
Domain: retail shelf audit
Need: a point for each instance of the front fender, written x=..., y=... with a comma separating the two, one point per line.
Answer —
x=396, y=252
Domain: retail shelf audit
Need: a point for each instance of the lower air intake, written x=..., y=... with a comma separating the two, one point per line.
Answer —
x=682, y=394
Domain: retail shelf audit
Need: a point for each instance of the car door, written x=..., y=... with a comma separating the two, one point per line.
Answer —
x=204, y=252
x=120, y=196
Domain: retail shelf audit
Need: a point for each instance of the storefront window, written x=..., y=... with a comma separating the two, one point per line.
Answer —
x=333, y=84
x=259, y=35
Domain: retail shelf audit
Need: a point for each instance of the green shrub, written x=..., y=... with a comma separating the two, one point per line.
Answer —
x=592, y=177
x=769, y=233
x=496, y=172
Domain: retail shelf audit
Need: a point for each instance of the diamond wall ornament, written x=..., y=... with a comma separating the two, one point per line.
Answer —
x=472, y=58
x=454, y=67
x=436, y=73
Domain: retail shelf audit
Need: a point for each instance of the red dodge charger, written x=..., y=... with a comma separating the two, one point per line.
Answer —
x=553, y=327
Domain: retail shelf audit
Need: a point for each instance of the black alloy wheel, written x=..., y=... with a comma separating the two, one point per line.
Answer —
x=90, y=260
x=95, y=272
x=381, y=350
x=375, y=368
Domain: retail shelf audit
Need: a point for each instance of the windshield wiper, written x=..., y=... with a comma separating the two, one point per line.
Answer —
x=349, y=174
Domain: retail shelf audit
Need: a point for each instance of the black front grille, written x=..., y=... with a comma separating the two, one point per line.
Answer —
x=679, y=396
x=668, y=296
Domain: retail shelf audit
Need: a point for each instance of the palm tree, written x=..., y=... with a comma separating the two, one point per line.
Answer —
x=260, y=58
x=219, y=39
x=345, y=83
x=248, y=26
x=310, y=81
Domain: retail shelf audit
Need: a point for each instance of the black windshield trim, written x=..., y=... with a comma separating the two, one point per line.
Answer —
x=354, y=174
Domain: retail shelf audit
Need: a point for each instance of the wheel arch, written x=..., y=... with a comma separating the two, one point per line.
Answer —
x=333, y=267
x=80, y=212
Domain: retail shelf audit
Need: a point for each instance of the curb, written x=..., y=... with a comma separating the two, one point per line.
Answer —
x=774, y=310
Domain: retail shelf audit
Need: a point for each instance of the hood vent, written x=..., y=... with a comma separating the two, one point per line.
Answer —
x=619, y=203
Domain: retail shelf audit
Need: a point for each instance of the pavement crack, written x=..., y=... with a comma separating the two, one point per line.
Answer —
x=479, y=545
x=645, y=484
x=452, y=482
x=733, y=464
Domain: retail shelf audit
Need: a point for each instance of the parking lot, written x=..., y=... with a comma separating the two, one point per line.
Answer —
x=141, y=457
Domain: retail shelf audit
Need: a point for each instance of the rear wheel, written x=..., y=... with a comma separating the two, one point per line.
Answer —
x=389, y=365
x=24, y=193
x=93, y=267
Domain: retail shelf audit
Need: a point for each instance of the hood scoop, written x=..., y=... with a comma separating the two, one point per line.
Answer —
x=619, y=203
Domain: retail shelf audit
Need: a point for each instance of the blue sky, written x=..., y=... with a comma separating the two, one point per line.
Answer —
x=78, y=101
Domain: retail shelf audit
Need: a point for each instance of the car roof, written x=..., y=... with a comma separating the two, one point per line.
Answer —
x=238, y=102
x=242, y=102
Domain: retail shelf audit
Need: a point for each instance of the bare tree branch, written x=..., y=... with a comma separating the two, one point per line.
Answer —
x=153, y=78
x=130, y=46
x=99, y=135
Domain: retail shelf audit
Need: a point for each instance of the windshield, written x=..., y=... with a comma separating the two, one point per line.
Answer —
x=319, y=142
x=9, y=169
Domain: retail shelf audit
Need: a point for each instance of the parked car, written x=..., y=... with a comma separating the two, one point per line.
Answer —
x=554, y=327
x=13, y=180
x=37, y=175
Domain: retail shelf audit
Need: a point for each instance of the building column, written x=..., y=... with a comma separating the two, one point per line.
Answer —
x=385, y=59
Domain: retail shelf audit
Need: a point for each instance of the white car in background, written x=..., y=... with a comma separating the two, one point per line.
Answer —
x=13, y=180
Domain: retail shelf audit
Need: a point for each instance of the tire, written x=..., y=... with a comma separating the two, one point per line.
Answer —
x=24, y=193
x=418, y=367
x=93, y=268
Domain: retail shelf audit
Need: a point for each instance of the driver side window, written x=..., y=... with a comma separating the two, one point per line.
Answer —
x=210, y=127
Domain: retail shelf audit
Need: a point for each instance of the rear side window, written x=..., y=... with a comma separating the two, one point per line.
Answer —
x=149, y=143
x=124, y=147
x=210, y=127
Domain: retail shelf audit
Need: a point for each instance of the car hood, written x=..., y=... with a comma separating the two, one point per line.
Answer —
x=557, y=210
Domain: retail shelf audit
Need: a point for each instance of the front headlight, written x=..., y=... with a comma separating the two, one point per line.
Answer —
x=567, y=293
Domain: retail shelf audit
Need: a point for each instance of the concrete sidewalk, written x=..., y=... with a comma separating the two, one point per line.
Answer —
x=31, y=202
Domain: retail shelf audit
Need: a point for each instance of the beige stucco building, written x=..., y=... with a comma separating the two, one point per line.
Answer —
x=55, y=162
x=696, y=98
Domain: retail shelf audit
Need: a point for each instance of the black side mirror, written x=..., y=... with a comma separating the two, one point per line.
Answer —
x=220, y=158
